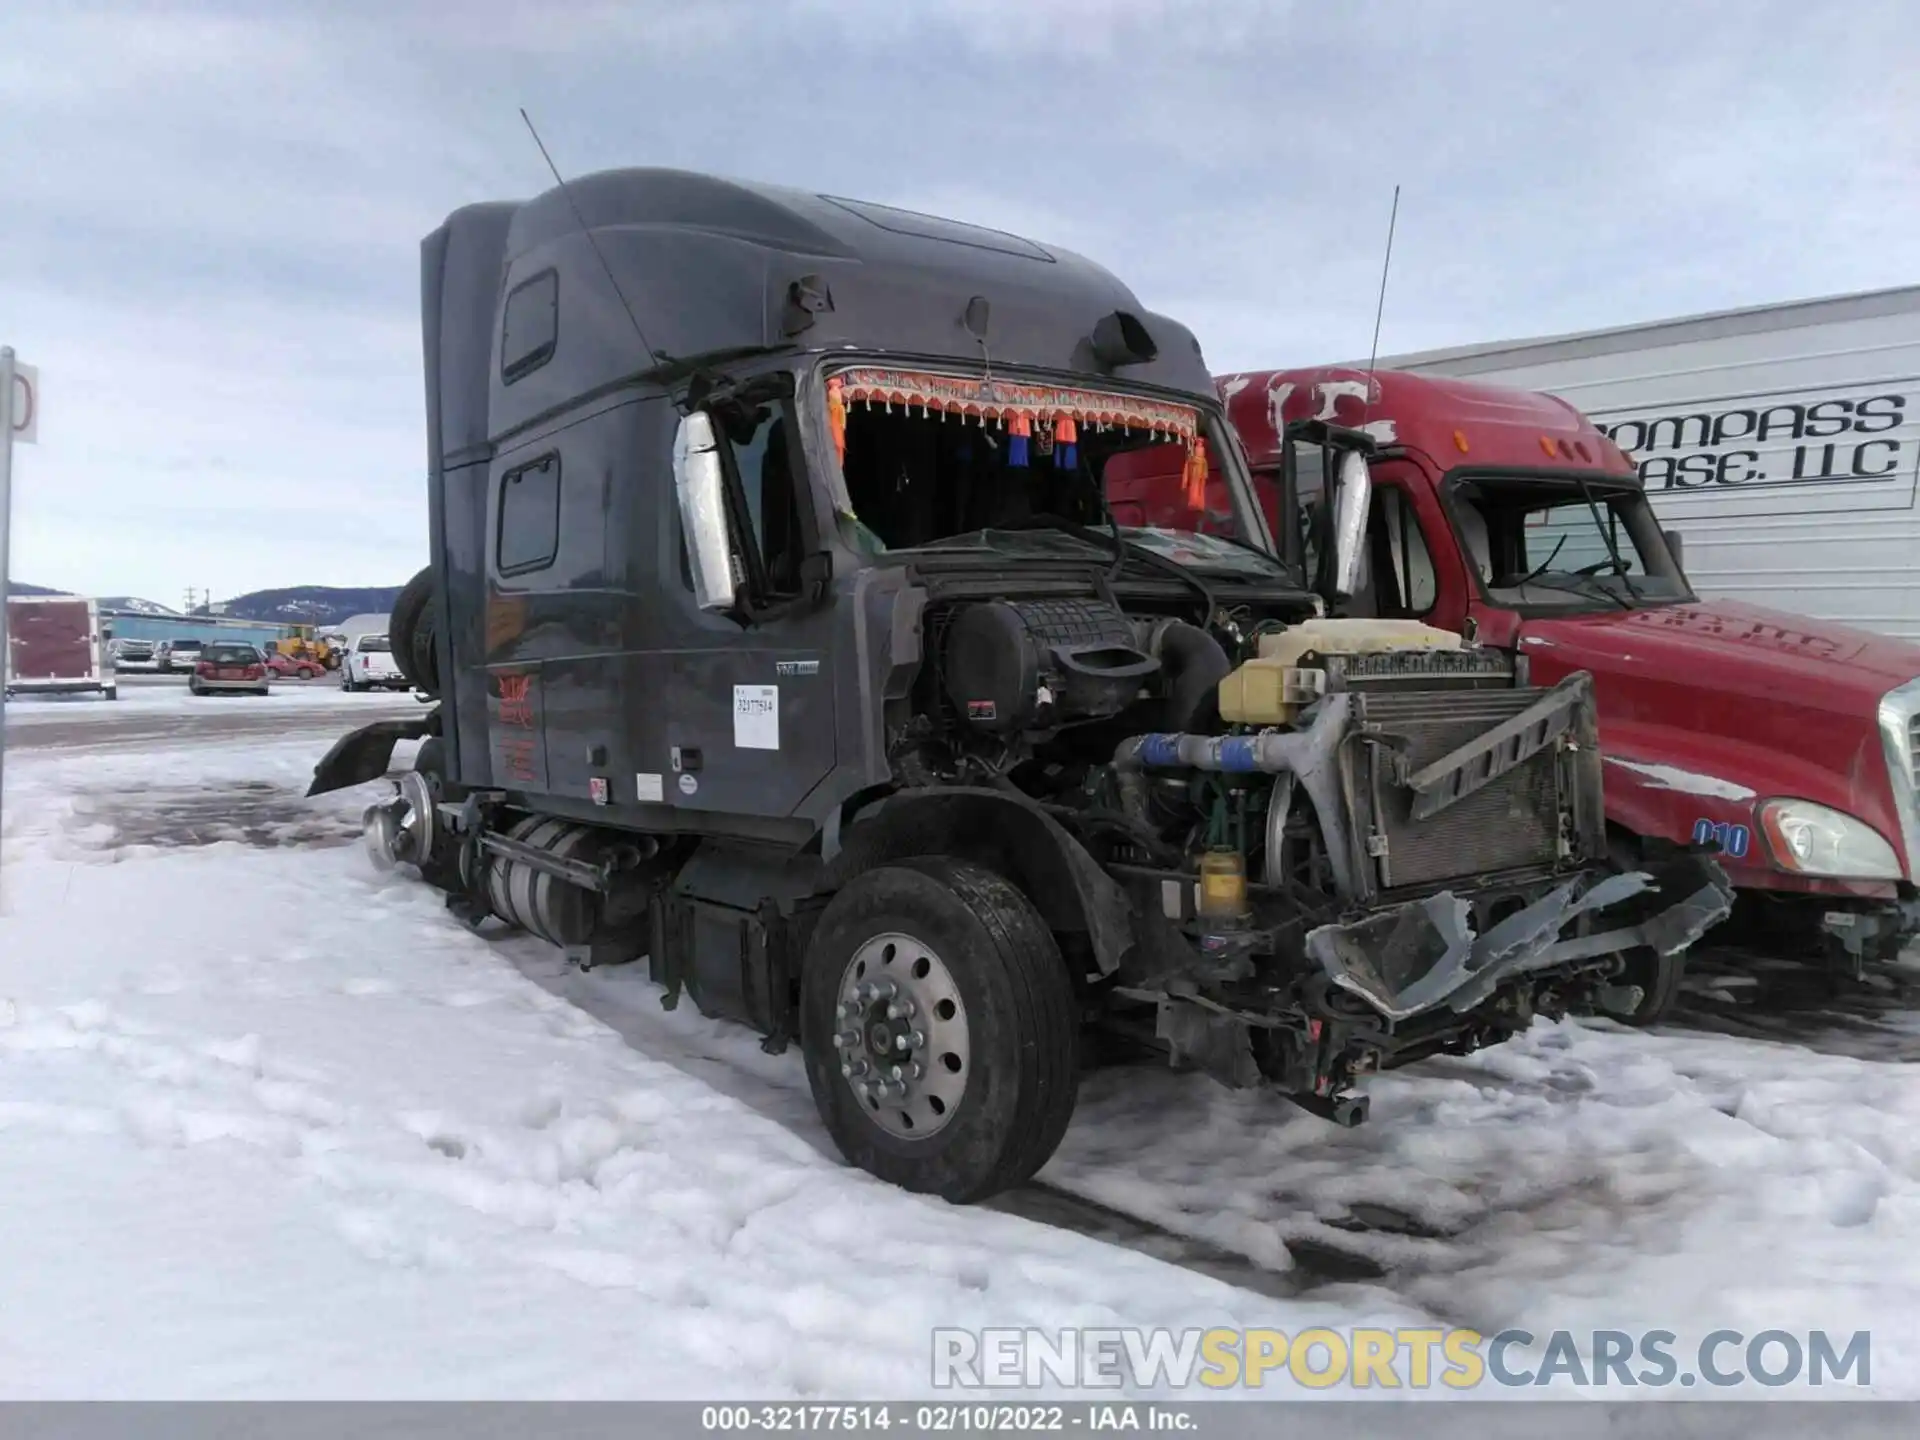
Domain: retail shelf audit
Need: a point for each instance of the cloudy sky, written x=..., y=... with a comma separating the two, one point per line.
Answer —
x=210, y=214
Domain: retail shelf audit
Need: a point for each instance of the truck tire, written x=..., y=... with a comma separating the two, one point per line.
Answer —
x=992, y=1006
x=411, y=633
x=442, y=868
x=1658, y=977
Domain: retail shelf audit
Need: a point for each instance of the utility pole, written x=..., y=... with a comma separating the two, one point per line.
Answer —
x=19, y=419
x=6, y=524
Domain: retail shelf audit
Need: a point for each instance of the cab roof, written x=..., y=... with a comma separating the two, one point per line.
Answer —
x=713, y=267
x=1452, y=422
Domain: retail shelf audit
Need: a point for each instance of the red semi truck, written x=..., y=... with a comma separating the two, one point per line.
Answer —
x=1792, y=744
x=55, y=646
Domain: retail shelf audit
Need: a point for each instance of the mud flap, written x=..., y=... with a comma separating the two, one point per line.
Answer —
x=365, y=753
x=1425, y=954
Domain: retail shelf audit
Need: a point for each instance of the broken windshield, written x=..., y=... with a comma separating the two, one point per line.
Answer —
x=936, y=462
x=1554, y=543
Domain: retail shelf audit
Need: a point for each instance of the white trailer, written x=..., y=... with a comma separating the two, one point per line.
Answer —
x=1781, y=442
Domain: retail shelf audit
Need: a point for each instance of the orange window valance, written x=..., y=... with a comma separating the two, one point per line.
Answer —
x=1019, y=406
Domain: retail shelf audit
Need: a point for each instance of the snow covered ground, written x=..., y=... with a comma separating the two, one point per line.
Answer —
x=271, y=1124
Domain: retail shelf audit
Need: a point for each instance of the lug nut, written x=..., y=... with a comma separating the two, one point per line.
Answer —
x=846, y=1040
x=885, y=990
x=853, y=1069
x=913, y=1040
x=890, y=1090
x=900, y=1010
x=916, y=1070
x=896, y=1072
x=848, y=1010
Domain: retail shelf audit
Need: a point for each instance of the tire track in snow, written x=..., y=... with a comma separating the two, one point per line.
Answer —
x=729, y=1058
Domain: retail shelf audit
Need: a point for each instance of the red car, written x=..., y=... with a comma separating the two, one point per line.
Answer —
x=285, y=666
x=227, y=665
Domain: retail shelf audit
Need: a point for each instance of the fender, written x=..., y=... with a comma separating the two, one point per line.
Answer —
x=1662, y=782
x=364, y=754
x=1007, y=832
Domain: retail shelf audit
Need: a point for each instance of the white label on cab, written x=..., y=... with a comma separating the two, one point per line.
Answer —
x=756, y=717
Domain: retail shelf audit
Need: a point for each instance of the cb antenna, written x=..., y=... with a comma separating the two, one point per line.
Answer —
x=1381, y=308
x=653, y=356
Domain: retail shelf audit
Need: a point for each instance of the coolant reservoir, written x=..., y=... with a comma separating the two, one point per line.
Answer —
x=1271, y=688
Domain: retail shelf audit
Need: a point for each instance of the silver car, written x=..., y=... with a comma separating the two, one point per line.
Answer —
x=230, y=665
x=177, y=655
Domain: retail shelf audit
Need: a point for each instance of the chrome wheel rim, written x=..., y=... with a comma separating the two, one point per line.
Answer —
x=900, y=1034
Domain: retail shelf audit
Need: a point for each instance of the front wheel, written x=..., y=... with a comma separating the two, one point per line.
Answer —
x=1658, y=978
x=940, y=1029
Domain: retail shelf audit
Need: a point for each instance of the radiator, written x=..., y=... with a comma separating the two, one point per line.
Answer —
x=1512, y=824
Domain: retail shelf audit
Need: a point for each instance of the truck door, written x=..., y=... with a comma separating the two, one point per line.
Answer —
x=749, y=719
x=1412, y=572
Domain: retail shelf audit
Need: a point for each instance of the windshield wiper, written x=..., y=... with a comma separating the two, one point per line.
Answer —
x=1606, y=534
x=1582, y=585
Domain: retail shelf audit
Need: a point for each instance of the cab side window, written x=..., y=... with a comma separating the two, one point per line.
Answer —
x=1310, y=488
x=1401, y=565
x=762, y=451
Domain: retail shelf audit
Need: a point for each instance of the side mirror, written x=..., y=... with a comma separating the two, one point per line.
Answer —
x=1676, y=548
x=1353, y=498
x=701, y=491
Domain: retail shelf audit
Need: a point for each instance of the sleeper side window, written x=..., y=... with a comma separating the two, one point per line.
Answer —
x=529, y=517
x=530, y=326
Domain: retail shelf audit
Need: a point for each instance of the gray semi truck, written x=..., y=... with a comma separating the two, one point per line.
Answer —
x=780, y=633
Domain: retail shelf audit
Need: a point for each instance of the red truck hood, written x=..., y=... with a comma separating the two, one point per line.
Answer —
x=1771, y=703
x=1737, y=649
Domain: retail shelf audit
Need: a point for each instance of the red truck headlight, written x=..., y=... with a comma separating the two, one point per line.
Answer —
x=1811, y=839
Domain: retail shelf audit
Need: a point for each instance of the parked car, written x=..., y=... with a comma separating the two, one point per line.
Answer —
x=370, y=666
x=132, y=652
x=291, y=667
x=177, y=655
x=229, y=665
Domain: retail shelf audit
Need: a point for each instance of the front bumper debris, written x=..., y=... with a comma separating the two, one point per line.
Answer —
x=1424, y=955
x=1855, y=938
x=364, y=754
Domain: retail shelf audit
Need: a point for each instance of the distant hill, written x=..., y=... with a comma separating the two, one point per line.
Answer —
x=309, y=604
x=135, y=605
x=295, y=605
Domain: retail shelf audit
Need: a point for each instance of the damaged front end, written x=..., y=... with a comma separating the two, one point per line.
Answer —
x=1432, y=876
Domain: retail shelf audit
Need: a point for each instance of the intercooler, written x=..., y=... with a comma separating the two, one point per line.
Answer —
x=1530, y=818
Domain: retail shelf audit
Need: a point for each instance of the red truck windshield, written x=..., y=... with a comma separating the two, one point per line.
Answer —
x=1547, y=543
